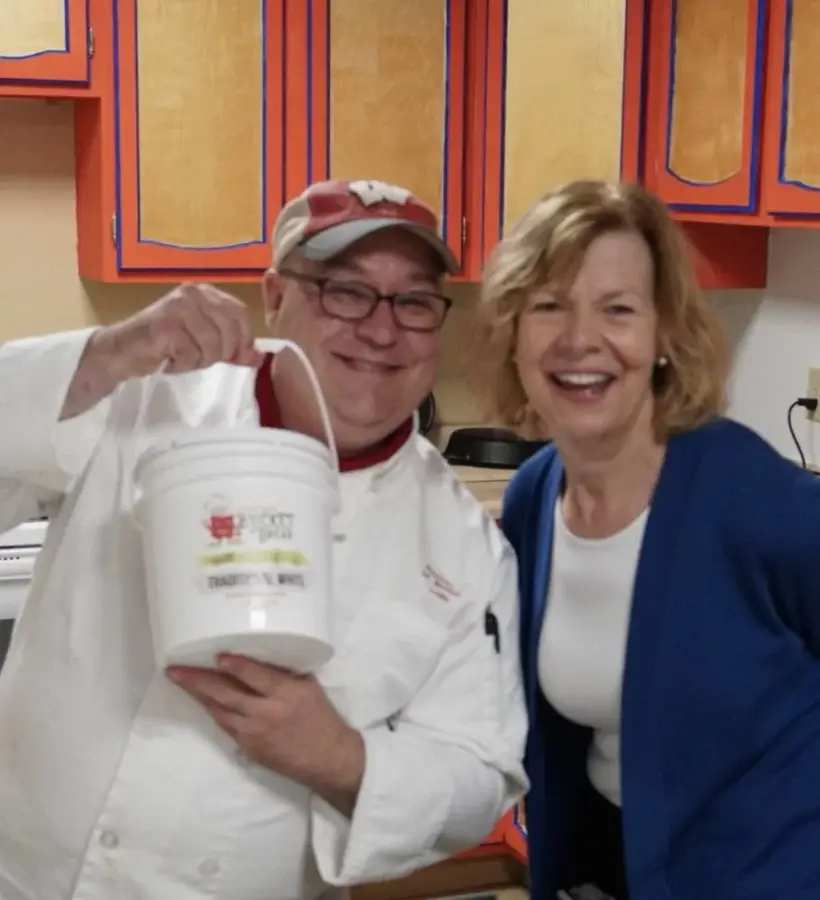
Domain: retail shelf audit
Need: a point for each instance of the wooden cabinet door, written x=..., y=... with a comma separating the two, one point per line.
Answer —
x=563, y=99
x=199, y=133
x=375, y=90
x=705, y=103
x=791, y=175
x=44, y=41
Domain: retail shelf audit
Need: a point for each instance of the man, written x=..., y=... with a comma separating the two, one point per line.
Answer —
x=120, y=781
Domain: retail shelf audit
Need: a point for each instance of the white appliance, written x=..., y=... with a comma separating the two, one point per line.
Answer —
x=18, y=553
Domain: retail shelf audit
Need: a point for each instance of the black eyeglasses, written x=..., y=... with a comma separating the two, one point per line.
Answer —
x=355, y=302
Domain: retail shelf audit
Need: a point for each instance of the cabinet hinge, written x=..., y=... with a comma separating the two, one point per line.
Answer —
x=91, y=43
x=114, y=229
x=463, y=231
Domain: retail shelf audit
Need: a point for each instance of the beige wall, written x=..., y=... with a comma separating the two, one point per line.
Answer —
x=40, y=289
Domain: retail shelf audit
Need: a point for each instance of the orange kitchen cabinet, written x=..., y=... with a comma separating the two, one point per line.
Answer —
x=180, y=163
x=559, y=94
x=702, y=110
x=558, y=97
x=731, y=131
x=508, y=838
x=791, y=159
x=45, y=46
x=708, y=75
x=376, y=89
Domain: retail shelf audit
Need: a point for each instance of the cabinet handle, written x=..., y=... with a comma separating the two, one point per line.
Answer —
x=463, y=232
x=114, y=229
x=91, y=43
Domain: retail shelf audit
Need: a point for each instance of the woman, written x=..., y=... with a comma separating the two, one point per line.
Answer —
x=688, y=756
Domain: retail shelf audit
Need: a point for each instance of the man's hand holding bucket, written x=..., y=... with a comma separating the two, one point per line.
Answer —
x=192, y=327
x=282, y=721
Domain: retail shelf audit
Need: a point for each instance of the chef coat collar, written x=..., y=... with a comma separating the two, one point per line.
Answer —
x=270, y=416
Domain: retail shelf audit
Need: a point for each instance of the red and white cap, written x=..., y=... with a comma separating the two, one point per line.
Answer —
x=330, y=216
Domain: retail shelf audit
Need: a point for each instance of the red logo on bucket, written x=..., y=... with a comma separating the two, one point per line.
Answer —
x=262, y=525
x=221, y=522
x=222, y=527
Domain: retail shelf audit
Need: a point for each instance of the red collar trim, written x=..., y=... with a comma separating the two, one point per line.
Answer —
x=271, y=417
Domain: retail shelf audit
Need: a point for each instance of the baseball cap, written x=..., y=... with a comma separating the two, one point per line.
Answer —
x=330, y=216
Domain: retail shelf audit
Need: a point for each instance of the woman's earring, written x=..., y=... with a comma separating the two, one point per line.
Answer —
x=659, y=376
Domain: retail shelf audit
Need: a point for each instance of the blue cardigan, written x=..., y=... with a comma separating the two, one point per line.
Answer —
x=720, y=740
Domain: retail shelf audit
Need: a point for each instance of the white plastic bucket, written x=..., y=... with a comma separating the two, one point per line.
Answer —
x=237, y=539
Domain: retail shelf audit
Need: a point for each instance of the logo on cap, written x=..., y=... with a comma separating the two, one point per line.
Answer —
x=372, y=193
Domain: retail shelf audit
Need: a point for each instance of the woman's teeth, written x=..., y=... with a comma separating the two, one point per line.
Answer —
x=582, y=379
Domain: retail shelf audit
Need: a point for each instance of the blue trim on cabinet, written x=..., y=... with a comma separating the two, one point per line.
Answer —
x=483, y=174
x=445, y=170
x=502, y=194
x=117, y=132
x=784, y=106
x=642, y=103
x=642, y=88
x=263, y=137
x=309, y=84
x=283, y=144
x=623, y=92
x=327, y=93
x=284, y=103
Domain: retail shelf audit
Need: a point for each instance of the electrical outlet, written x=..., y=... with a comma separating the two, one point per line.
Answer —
x=814, y=391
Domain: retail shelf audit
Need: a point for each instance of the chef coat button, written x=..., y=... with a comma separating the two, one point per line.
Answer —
x=209, y=868
x=109, y=840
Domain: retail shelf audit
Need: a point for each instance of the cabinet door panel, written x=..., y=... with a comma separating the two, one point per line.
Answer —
x=703, y=141
x=792, y=166
x=377, y=92
x=200, y=133
x=44, y=41
x=569, y=99
x=572, y=54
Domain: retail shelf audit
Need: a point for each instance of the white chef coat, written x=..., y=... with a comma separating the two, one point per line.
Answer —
x=114, y=784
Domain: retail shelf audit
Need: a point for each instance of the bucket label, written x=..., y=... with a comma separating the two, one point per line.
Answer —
x=231, y=580
x=250, y=550
x=262, y=525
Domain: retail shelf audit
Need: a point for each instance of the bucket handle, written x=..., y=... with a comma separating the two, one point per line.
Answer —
x=264, y=345
x=276, y=345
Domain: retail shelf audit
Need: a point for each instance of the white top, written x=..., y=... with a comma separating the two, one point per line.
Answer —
x=583, y=642
x=114, y=783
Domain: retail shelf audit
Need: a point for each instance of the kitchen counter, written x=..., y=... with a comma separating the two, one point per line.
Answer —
x=486, y=485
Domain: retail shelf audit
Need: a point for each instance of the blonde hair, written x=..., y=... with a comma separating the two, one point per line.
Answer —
x=548, y=244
